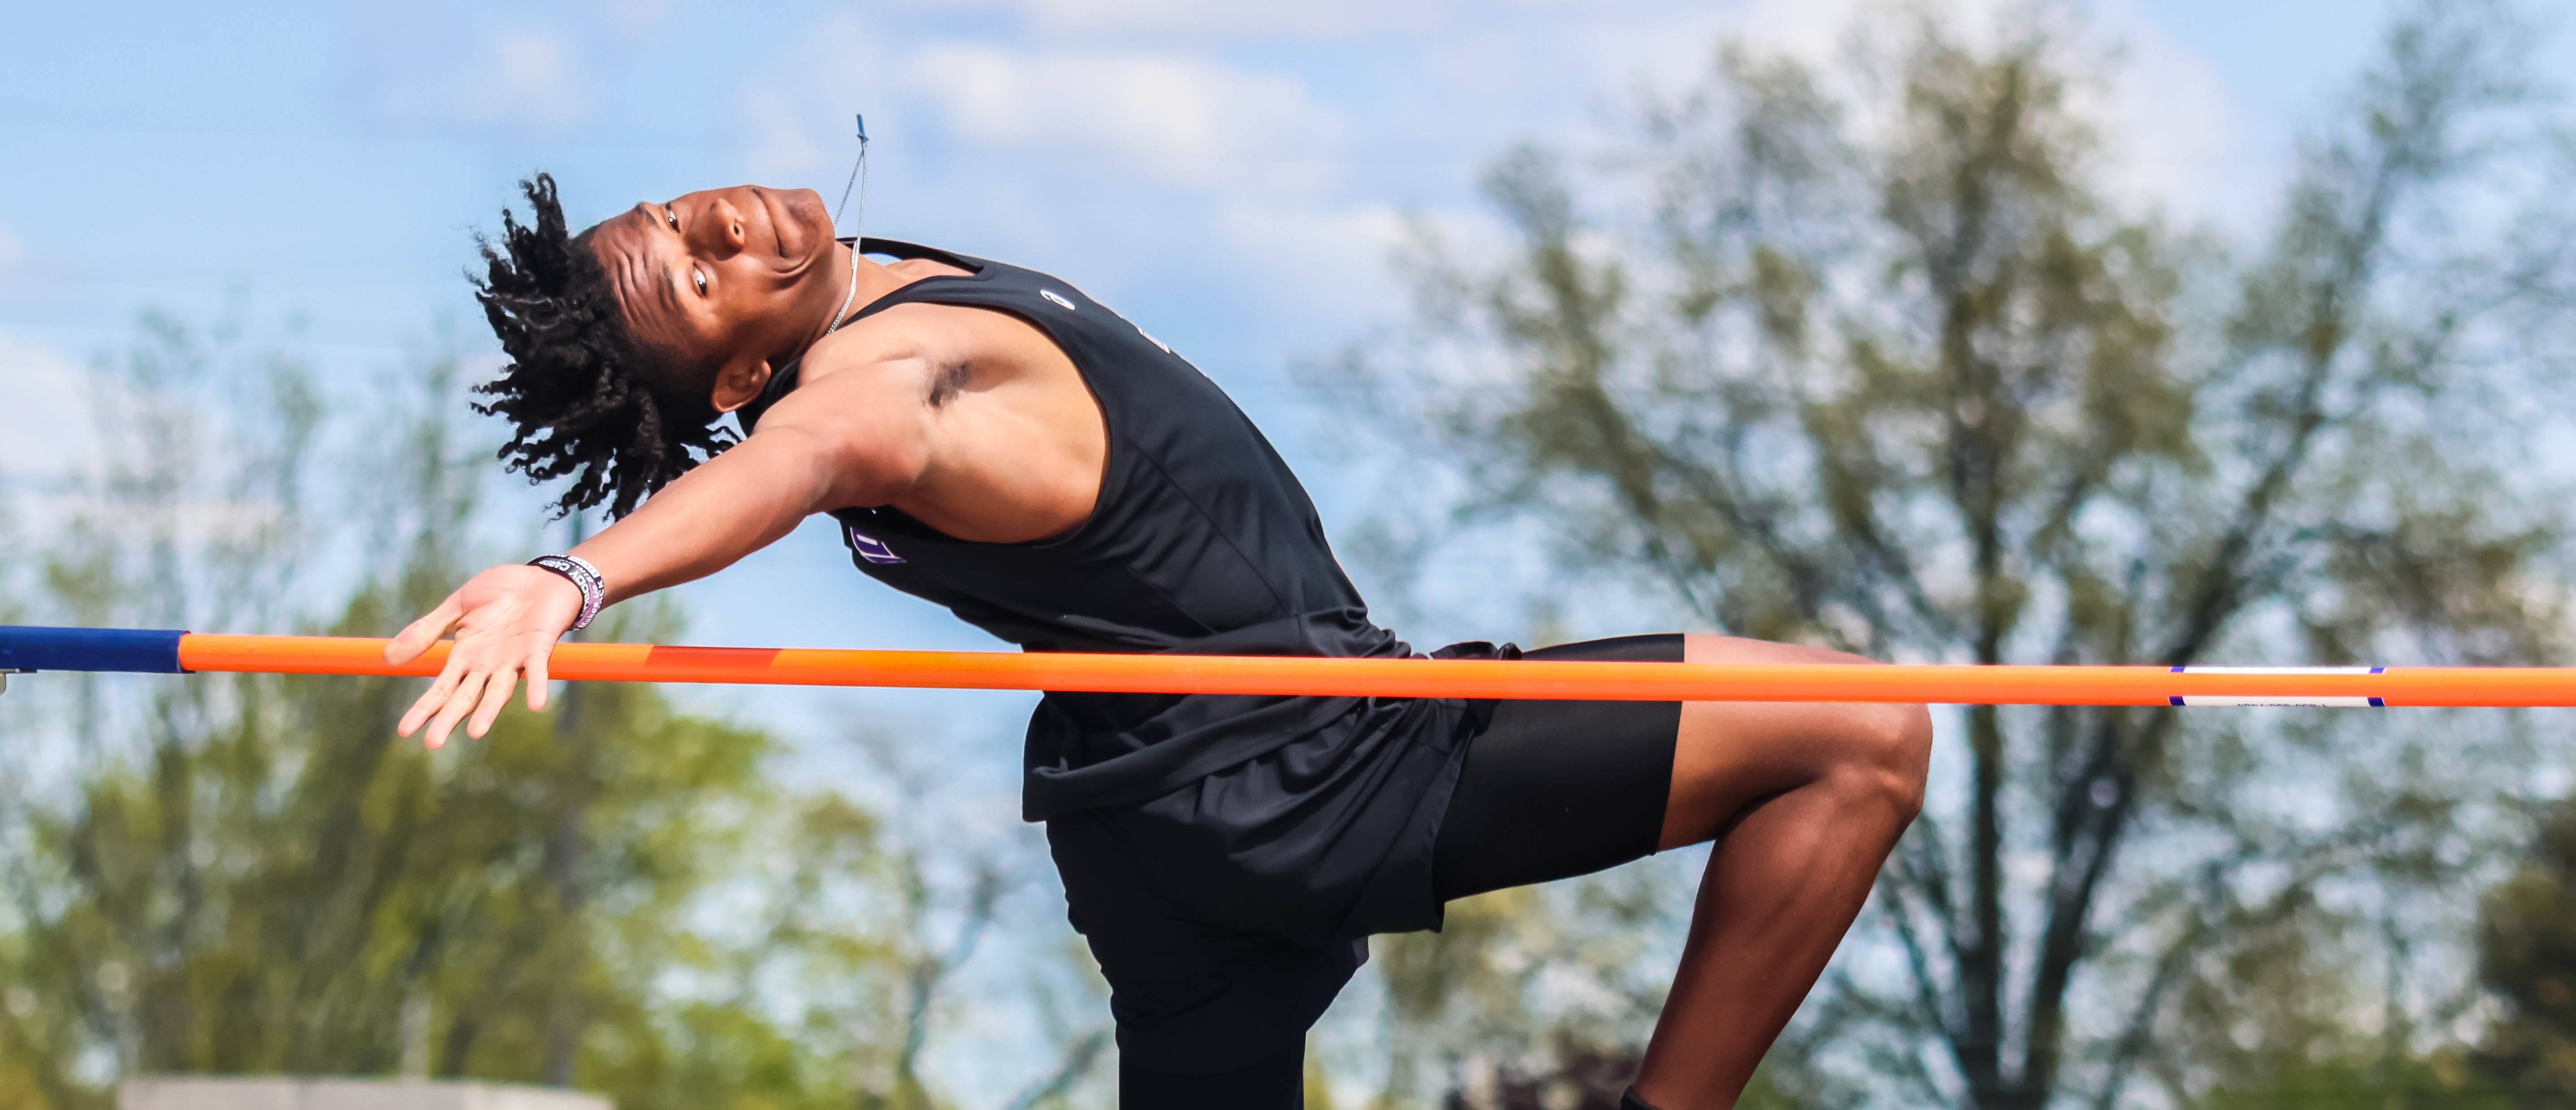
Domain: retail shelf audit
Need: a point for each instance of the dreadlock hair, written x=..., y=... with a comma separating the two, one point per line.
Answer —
x=585, y=398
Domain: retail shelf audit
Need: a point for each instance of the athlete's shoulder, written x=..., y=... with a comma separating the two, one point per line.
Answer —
x=919, y=269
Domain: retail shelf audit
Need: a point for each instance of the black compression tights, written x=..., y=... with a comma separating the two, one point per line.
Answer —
x=1278, y=1083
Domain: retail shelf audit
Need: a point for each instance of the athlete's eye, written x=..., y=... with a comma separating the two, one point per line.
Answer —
x=701, y=277
x=672, y=217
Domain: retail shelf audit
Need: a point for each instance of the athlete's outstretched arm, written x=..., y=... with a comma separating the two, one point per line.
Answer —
x=844, y=441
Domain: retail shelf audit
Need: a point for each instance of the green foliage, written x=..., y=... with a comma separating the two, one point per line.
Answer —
x=1923, y=389
x=270, y=895
x=2527, y=956
x=2364, y=1083
x=1529, y=991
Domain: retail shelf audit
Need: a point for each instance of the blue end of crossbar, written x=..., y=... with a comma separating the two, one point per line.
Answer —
x=146, y=651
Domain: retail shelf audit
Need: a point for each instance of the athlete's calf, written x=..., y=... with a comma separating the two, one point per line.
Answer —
x=1804, y=803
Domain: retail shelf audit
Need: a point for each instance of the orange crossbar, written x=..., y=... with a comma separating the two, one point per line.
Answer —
x=1461, y=678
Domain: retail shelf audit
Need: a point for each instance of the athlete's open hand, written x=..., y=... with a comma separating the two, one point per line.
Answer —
x=506, y=621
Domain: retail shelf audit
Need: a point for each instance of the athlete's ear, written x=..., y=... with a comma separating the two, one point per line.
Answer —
x=740, y=384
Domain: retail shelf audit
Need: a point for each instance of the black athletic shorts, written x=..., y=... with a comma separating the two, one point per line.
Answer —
x=1555, y=789
x=1546, y=790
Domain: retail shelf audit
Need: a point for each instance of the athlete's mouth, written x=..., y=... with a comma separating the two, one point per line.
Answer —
x=776, y=236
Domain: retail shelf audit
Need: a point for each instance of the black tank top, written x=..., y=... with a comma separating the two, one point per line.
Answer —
x=1201, y=542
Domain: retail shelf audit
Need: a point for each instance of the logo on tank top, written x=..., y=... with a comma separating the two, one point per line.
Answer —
x=871, y=548
x=1058, y=298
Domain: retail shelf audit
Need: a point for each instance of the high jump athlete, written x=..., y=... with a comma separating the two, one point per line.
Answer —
x=992, y=440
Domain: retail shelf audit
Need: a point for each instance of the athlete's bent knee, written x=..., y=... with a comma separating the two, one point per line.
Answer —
x=1891, y=755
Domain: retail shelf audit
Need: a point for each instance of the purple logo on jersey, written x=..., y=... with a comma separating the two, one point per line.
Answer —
x=872, y=549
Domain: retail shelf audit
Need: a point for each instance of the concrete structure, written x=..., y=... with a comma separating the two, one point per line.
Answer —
x=201, y=1092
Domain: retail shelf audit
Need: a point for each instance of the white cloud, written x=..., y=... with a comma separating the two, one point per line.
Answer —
x=1177, y=117
x=1173, y=113
x=48, y=412
x=1311, y=20
x=1316, y=19
x=632, y=18
x=1812, y=30
x=412, y=65
x=1326, y=260
x=525, y=76
x=15, y=271
x=2168, y=121
x=2179, y=144
x=795, y=115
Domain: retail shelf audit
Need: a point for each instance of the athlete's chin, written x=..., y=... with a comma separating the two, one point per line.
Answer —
x=810, y=223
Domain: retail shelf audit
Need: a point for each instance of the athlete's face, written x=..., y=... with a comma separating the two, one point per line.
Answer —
x=725, y=278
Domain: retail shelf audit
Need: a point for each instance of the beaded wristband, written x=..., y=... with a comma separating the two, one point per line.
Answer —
x=583, y=576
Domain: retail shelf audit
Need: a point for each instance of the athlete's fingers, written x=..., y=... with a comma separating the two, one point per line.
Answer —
x=442, y=723
x=416, y=637
x=496, y=697
x=460, y=662
x=430, y=700
x=538, y=692
x=457, y=705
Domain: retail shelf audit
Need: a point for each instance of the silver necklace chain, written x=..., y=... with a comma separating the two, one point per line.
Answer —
x=858, y=178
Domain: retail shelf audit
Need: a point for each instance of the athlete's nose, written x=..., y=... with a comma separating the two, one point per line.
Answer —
x=721, y=231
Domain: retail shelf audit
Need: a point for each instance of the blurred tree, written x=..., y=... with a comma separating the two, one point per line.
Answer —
x=1883, y=368
x=2527, y=956
x=252, y=874
x=1482, y=1007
